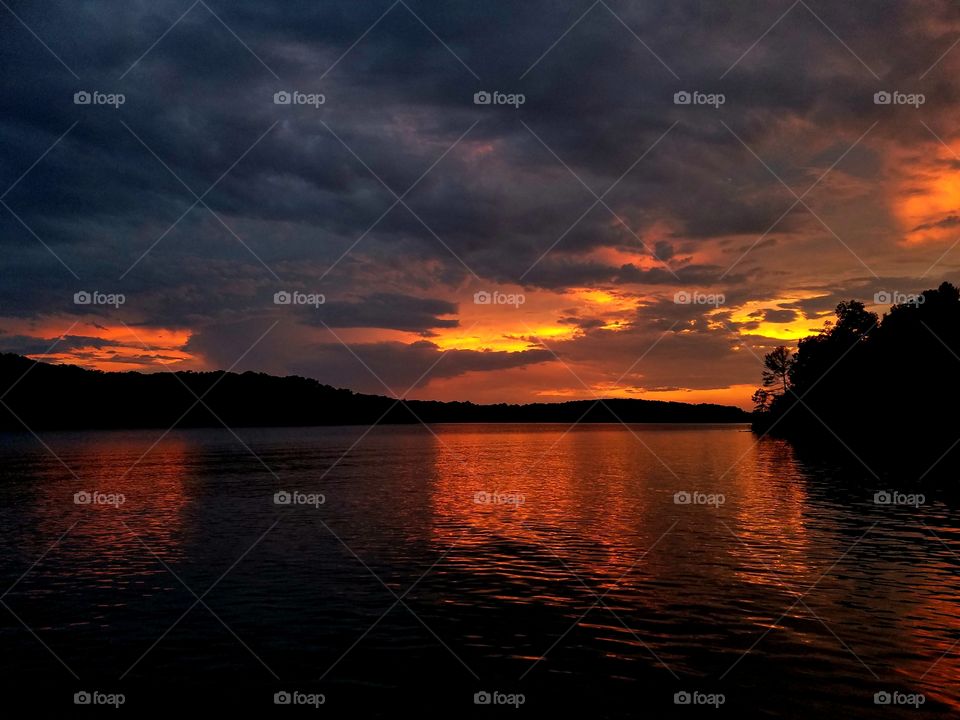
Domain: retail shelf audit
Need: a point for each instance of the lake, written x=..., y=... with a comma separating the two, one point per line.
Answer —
x=648, y=570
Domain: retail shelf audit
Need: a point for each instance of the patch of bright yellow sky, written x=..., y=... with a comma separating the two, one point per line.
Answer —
x=800, y=327
x=512, y=328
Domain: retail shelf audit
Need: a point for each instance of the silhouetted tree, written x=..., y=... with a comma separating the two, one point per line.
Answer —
x=877, y=386
x=761, y=400
x=818, y=355
x=777, y=365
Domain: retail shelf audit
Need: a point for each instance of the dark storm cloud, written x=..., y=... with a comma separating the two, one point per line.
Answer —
x=365, y=367
x=200, y=99
x=951, y=221
x=557, y=271
x=778, y=316
x=300, y=197
x=400, y=367
x=659, y=353
x=865, y=290
x=26, y=345
x=584, y=323
x=385, y=310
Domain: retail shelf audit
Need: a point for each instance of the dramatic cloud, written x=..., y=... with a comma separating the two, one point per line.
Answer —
x=710, y=177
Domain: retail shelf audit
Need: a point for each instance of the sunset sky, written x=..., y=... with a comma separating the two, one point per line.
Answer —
x=596, y=201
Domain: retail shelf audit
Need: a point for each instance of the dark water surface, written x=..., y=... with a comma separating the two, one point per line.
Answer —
x=508, y=559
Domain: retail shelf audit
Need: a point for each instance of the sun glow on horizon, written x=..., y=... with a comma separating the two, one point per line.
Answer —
x=737, y=395
x=104, y=346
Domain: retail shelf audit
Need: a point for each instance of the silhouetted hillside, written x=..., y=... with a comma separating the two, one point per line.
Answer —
x=40, y=396
x=877, y=388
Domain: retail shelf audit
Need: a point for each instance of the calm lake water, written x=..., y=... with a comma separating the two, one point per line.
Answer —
x=513, y=560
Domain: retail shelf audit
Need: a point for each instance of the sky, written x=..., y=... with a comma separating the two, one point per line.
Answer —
x=655, y=195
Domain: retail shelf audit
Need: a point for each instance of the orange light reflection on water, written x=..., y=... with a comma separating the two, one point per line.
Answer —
x=104, y=543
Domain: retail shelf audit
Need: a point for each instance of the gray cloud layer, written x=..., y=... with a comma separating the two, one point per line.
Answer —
x=300, y=197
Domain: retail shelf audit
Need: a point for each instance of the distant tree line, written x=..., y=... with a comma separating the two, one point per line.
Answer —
x=886, y=386
x=40, y=396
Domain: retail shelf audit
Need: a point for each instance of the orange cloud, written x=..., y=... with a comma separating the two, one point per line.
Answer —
x=122, y=348
x=926, y=203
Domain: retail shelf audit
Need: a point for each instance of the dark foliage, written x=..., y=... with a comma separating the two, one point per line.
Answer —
x=878, y=387
x=40, y=396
